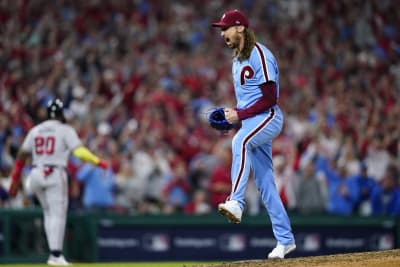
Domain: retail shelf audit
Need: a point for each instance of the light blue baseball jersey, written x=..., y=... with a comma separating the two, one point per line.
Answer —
x=249, y=74
x=252, y=144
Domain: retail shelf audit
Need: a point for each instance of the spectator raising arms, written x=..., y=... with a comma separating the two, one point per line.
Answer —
x=151, y=73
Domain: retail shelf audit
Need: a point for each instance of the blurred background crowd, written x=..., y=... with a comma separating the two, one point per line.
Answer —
x=139, y=76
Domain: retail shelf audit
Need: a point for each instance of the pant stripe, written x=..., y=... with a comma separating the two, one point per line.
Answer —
x=246, y=139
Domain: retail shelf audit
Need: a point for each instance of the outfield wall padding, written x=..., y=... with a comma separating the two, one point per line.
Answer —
x=101, y=237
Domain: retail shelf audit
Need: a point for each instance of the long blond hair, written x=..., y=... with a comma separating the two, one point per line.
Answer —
x=249, y=42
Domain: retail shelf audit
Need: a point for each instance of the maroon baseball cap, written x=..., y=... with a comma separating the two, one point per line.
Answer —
x=232, y=18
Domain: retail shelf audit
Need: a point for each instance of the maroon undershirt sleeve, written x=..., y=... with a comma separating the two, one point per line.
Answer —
x=264, y=103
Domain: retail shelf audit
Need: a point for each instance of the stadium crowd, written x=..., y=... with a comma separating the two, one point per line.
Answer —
x=138, y=78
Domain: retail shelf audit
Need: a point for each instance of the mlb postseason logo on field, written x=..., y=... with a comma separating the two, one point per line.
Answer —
x=309, y=242
x=382, y=242
x=156, y=242
x=115, y=241
x=232, y=242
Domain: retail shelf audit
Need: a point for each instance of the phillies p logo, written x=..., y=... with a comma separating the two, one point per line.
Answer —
x=246, y=73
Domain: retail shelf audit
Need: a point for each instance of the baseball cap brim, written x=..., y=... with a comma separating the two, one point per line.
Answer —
x=219, y=24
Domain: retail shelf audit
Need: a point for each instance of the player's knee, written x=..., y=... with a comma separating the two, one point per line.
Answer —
x=241, y=146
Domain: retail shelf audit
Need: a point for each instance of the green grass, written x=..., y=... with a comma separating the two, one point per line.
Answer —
x=122, y=264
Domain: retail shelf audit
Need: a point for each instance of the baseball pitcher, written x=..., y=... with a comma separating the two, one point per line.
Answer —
x=256, y=82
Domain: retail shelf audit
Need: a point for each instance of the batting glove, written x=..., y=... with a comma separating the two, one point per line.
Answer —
x=103, y=164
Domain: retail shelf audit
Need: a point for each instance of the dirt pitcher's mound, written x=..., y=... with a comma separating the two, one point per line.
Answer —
x=388, y=258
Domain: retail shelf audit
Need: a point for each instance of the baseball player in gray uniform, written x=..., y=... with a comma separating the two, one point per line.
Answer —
x=49, y=145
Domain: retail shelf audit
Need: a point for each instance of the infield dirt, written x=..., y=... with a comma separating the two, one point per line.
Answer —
x=388, y=258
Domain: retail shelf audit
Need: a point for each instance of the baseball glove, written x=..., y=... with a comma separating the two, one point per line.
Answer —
x=218, y=121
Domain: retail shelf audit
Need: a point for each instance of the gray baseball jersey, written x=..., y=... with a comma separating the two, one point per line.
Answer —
x=51, y=143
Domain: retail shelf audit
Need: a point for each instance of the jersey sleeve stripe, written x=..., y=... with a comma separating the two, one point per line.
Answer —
x=263, y=61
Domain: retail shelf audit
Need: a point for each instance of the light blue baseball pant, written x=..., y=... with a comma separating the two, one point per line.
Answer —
x=251, y=149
